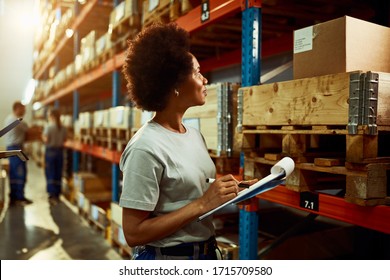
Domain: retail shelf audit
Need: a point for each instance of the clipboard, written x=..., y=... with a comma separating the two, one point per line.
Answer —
x=279, y=172
x=19, y=153
x=10, y=126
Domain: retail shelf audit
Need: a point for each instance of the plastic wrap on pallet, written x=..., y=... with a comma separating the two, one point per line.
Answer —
x=86, y=120
x=116, y=213
x=101, y=119
x=120, y=117
x=132, y=7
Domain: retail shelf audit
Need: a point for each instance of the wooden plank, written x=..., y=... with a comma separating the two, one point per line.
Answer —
x=209, y=109
x=209, y=129
x=328, y=162
x=371, y=185
x=383, y=115
x=319, y=100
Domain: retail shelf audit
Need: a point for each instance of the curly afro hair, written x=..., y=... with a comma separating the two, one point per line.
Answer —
x=157, y=61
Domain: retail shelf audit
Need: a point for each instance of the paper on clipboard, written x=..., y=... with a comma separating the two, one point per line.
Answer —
x=279, y=172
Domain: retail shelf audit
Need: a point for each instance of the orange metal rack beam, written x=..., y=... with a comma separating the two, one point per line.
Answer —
x=376, y=217
x=103, y=69
x=218, y=9
x=97, y=151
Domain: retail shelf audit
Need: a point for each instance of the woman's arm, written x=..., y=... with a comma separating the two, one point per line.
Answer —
x=139, y=228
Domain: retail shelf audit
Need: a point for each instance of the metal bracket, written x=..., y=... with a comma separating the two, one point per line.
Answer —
x=240, y=109
x=220, y=120
x=355, y=95
x=370, y=102
x=363, y=102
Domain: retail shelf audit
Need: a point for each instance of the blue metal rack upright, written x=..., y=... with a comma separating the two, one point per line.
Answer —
x=250, y=74
x=116, y=88
x=76, y=96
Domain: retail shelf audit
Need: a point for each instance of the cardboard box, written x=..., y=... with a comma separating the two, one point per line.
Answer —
x=86, y=182
x=34, y=133
x=341, y=45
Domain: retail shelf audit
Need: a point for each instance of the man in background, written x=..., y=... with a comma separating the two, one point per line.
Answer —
x=14, y=140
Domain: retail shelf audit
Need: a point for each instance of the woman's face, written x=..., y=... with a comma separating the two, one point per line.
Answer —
x=194, y=87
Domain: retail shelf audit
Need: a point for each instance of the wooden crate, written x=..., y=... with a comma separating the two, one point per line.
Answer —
x=125, y=20
x=217, y=119
x=161, y=11
x=98, y=216
x=322, y=123
x=324, y=100
x=118, y=240
x=363, y=184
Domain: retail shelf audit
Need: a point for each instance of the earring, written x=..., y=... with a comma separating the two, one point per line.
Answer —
x=176, y=92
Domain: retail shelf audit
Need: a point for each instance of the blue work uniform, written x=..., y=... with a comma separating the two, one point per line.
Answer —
x=54, y=157
x=14, y=140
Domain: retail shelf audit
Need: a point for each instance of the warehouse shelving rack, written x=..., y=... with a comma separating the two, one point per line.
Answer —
x=375, y=218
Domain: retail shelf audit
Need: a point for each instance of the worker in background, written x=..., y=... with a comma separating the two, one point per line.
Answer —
x=165, y=164
x=14, y=140
x=54, y=137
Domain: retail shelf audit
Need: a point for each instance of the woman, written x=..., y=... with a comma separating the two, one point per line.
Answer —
x=54, y=137
x=165, y=164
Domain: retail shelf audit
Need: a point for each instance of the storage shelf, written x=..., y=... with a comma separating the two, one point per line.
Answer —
x=78, y=21
x=87, y=78
x=97, y=151
x=376, y=217
x=219, y=9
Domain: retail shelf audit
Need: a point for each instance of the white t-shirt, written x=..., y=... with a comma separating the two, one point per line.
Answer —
x=55, y=135
x=17, y=135
x=164, y=171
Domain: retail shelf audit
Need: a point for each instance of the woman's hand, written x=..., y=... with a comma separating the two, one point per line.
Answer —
x=221, y=190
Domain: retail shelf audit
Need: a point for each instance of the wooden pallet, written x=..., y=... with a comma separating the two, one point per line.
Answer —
x=305, y=143
x=116, y=242
x=100, y=131
x=362, y=184
x=87, y=139
x=117, y=145
x=119, y=45
x=103, y=57
x=120, y=133
x=226, y=164
x=326, y=157
x=167, y=11
x=127, y=26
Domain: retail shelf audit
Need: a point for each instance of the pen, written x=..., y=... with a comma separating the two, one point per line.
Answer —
x=241, y=184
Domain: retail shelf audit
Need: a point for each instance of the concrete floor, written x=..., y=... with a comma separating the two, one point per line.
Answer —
x=46, y=232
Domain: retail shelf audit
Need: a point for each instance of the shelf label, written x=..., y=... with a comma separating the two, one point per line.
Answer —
x=303, y=40
x=309, y=200
x=205, y=11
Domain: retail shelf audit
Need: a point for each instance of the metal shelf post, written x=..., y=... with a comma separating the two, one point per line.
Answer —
x=116, y=88
x=76, y=96
x=250, y=74
x=76, y=154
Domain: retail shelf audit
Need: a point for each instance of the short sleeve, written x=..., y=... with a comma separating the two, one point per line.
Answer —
x=141, y=176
